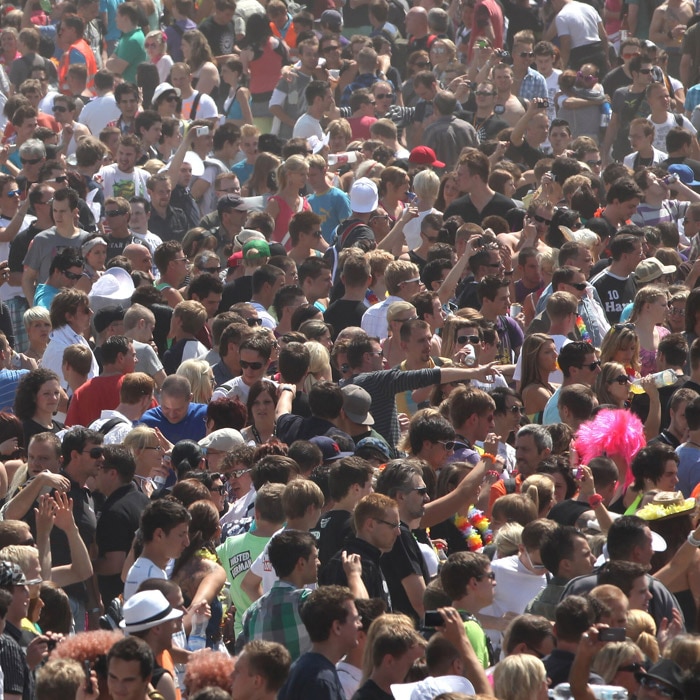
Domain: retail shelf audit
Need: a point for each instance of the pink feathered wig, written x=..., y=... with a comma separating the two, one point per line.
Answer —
x=612, y=432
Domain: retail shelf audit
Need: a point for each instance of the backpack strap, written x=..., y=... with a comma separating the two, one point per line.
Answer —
x=195, y=104
x=510, y=485
x=110, y=425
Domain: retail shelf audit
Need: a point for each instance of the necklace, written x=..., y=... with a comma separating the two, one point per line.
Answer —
x=256, y=434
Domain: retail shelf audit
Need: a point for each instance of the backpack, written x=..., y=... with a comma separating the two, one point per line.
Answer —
x=110, y=424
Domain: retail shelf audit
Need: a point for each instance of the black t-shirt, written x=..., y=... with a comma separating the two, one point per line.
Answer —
x=313, y=677
x=615, y=293
x=524, y=154
x=239, y=290
x=331, y=531
x=221, y=38
x=615, y=79
x=172, y=228
x=405, y=559
x=567, y=512
x=447, y=531
x=20, y=246
x=115, y=246
x=32, y=428
x=498, y=205
x=344, y=313
x=116, y=526
x=487, y=129
x=369, y=690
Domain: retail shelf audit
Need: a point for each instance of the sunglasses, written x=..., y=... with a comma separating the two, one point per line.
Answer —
x=580, y=286
x=386, y=96
x=527, y=54
x=115, y=212
x=659, y=687
x=593, y=366
x=676, y=312
x=622, y=379
x=594, y=162
x=13, y=193
x=541, y=219
x=516, y=409
x=332, y=47
x=632, y=668
x=484, y=93
x=72, y=275
x=218, y=489
x=254, y=322
x=462, y=339
x=250, y=365
x=413, y=280
x=95, y=452
x=59, y=179
x=623, y=326
x=30, y=161
x=171, y=98
x=422, y=64
x=449, y=445
x=423, y=490
x=237, y=473
x=646, y=71
x=212, y=270
x=60, y=108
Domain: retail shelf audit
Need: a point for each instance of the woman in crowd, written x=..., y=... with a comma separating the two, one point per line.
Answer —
x=397, y=314
x=261, y=404
x=617, y=663
x=649, y=312
x=201, y=379
x=320, y=331
x=157, y=51
x=612, y=386
x=198, y=56
x=621, y=344
x=394, y=185
x=447, y=192
x=292, y=175
x=263, y=181
x=539, y=359
x=36, y=401
x=320, y=365
x=37, y=321
x=237, y=104
x=149, y=450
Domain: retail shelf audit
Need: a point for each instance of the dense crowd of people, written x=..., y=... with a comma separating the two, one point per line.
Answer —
x=349, y=350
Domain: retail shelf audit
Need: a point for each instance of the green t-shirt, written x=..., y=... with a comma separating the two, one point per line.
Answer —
x=130, y=49
x=237, y=555
x=477, y=638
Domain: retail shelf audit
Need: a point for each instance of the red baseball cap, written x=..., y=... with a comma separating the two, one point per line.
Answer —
x=423, y=155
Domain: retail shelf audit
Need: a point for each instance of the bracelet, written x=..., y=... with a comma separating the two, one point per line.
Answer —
x=488, y=455
x=595, y=500
x=507, y=273
x=693, y=541
x=288, y=388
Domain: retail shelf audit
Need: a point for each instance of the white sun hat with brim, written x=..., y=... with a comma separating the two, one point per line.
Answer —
x=114, y=287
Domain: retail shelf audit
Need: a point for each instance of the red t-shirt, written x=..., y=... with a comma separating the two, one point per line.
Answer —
x=96, y=395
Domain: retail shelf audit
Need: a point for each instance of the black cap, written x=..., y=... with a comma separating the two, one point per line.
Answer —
x=106, y=316
x=668, y=673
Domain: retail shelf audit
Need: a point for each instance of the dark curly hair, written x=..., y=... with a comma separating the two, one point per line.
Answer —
x=27, y=390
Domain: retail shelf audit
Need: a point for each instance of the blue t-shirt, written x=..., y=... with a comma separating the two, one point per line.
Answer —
x=110, y=7
x=191, y=427
x=44, y=294
x=9, y=379
x=333, y=206
x=243, y=169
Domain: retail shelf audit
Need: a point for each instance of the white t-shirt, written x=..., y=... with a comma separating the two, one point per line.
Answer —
x=116, y=183
x=411, y=230
x=206, y=109
x=99, y=112
x=307, y=126
x=8, y=291
x=580, y=22
x=141, y=570
x=663, y=129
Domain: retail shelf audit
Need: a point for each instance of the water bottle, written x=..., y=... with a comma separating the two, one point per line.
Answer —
x=601, y=692
x=666, y=378
x=605, y=113
x=342, y=158
x=198, y=636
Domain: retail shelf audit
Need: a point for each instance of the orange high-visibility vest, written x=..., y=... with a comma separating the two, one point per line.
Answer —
x=84, y=48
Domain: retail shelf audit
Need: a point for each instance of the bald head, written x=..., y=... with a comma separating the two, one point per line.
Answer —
x=417, y=21
x=140, y=257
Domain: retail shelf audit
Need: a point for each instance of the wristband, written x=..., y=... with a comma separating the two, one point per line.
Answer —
x=488, y=455
x=596, y=499
x=693, y=541
x=288, y=388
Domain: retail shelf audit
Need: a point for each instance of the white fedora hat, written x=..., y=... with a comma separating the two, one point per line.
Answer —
x=145, y=610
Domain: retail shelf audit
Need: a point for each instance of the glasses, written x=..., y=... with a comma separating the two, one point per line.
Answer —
x=72, y=275
x=484, y=93
x=517, y=408
x=449, y=445
x=632, y=668
x=593, y=366
x=381, y=217
x=254, y=322
x=623, y=327
x=218, y=489
x=30, y=161
x=60, y=108
x=462, y=339
x=59, y=179
x=527, y=54
x=421, y=64
x=676, y=312
x=622, y=379
x=157, y=448
x=580, y=286
x=536, y=567
x=491, y=576
x=330, y=47
x=423, y=490
x=250, y=365
x=238, y=473
x=393, y=526
x=13, y=193
x=95, y=452
x=658, y=686
x=212, y=270
x=404, y=320
x=171, y=98
x=115, y=212
x=645, y=71
x=594, y=162
x=386, y=96
x=629, y=55
x=413, y=280
x=542, y=220
x=185, y=260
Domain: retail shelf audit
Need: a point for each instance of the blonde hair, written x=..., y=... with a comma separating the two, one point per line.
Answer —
x=615, y=340
x=545, y=492
x=22, y=555
x=140, y=438
x=684, y=650
x=518, y=677
x=293, y=164
x=608, y=660
x=426, y=185
x=508, y=539
x=386, y=621
x=641, y=629
x=320, y=363
x=608, y=372
x=646, y=295
x=200, y=374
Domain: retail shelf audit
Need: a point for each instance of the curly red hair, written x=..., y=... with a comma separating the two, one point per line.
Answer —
x=209, y=668
x=87, y=645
